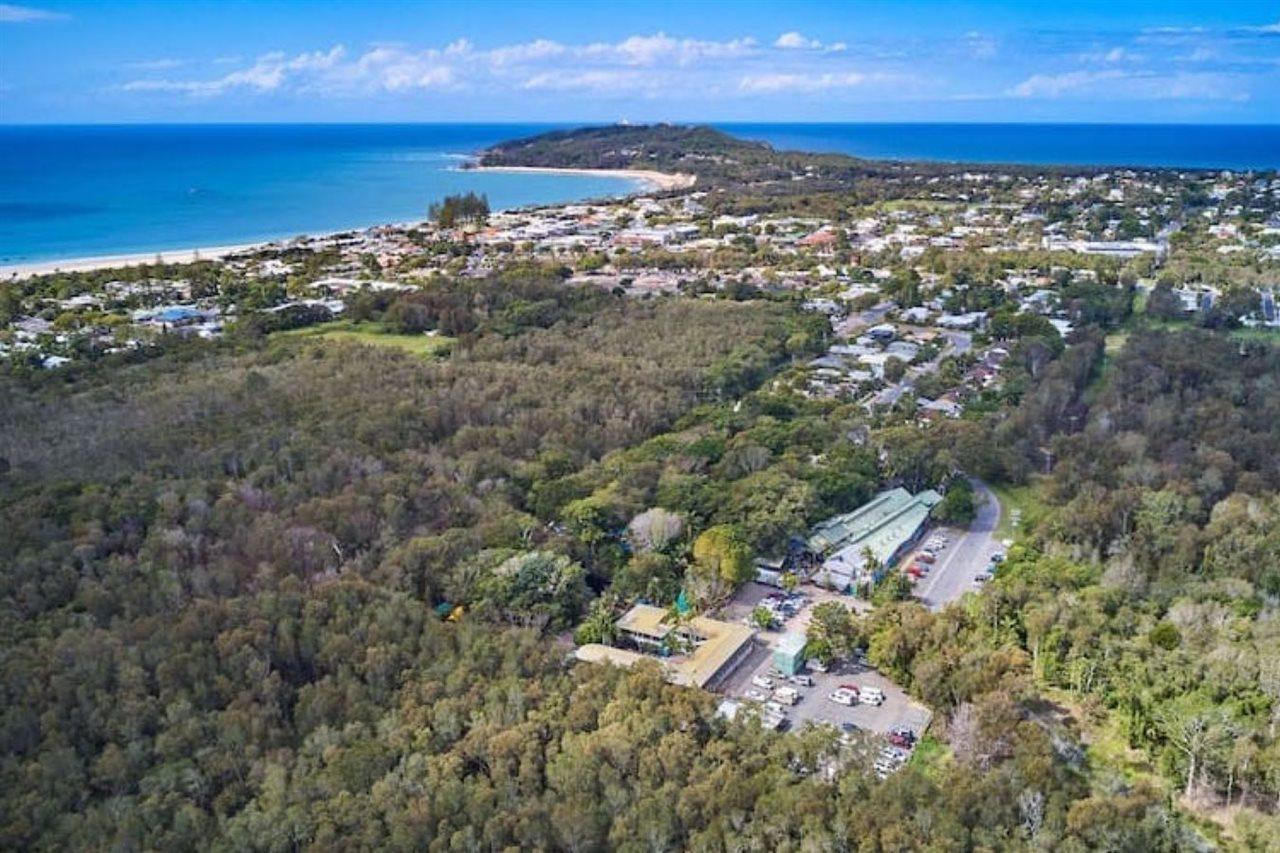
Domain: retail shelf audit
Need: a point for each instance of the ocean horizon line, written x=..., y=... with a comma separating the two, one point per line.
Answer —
x=572, y=123
x=73, y=191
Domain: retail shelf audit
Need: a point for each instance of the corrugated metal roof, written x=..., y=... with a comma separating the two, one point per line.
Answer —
x=882, y=526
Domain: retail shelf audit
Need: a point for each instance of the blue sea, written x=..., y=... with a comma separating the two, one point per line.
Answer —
x=1201, y=146
x=83, y=191
x=78, y=191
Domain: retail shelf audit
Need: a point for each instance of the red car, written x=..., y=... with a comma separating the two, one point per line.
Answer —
x=925, y=557
x=852, y=687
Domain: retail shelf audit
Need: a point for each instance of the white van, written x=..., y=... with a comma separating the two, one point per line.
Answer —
x=787, y=695
x=871, y=696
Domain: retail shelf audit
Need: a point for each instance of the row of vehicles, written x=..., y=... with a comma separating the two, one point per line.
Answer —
x=775, y=692
x=927, y=556
x=782, y=605
x=990, y=571
x=852, y=694
x=901, y=743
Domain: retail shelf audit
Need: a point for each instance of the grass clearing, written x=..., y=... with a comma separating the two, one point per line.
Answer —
x=1023, y=503
x=930, y=755
x=375, y=334
x=1258, y=335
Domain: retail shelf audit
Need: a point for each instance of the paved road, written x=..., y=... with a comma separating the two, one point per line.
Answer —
x=965, y=557
x=854, y=323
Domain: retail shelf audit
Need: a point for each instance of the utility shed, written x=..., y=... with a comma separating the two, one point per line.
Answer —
x=788, y=655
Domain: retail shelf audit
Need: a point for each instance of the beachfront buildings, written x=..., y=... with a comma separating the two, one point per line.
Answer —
x=857, y=547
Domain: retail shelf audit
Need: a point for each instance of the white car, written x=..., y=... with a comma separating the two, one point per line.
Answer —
x=755, y=695
x=843, y=697
x=871, y=697
x=761, y=681
x=775, y=708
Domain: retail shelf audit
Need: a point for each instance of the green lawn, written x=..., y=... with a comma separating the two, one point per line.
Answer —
x=1268, y=336
x=930, y=755
x=376, y=335
x=1026, y=499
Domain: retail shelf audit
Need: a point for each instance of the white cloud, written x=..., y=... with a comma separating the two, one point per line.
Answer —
x=540, y=64
x=598, y=82
x=774, y=83
x=1112, y=56
x=11, y=14
x=653, y=65
x=518, y=54
x=1117, y=84
x=1056, y=85
x=651, y=50
x=268, y=74
x=795, y=41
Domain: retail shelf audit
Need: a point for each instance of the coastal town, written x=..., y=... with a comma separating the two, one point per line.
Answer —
x=895, y=278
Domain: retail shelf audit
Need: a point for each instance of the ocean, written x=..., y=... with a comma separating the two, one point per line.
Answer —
x=83, y=191
x=1200, y=146
x=79, y=191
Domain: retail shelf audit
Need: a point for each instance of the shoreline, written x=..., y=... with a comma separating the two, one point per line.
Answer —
x=98, y=262
x=656, y=180
x=11, y=272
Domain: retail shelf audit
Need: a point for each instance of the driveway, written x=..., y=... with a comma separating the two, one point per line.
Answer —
x=952, y=576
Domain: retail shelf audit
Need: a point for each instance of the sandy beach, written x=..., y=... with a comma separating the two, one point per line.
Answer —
x=168, y=256
x=654, y=180
x=657, y=180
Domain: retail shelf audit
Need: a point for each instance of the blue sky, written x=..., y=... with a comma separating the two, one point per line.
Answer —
x=279, y=60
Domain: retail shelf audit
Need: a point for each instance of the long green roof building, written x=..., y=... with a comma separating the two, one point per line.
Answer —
x=887, y=525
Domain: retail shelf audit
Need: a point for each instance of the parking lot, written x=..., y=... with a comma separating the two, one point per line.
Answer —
x=966, y=554
x=897, y=711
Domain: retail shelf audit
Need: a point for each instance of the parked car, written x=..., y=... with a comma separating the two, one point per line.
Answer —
x=925, y=557
x=981, y=578
x=904, y=732
x=817, y=665
x=899, y=740
x=755, y=695
x=787, y=695
x=896, y=755
x=843, y=697
x=997, y=557
x=848, y=728
x=761, y=681
x=775, y=708
x=870, y=696
x=852, y=688
x=802, y=679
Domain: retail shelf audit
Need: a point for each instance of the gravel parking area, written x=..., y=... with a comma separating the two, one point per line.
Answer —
x=897, y=711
